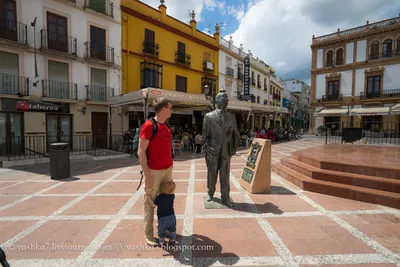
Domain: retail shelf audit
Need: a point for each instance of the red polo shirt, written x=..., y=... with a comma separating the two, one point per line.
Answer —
x=159, y=149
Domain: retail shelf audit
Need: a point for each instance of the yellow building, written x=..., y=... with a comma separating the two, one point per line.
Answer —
x=159, y=51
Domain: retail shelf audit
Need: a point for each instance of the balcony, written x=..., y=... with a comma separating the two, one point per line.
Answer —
x=388, y=54
x=99, y=52
x=230, y=72
x=329, y=64
x=107, y=8
x=60, y=90
x=373, y=56
x=14, y=85
x=326, y=98
x=150, y=48
x=276, y=97
x=97, y=93
x=392, y=93
x=339, y=62
x=13, y=31
x=182, y=58
x=398, y=52
x=50, y=40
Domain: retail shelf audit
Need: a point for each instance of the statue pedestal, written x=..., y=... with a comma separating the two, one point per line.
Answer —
x=256, y=176
x=216, y=203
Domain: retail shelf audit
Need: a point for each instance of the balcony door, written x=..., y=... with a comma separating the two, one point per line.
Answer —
x=98, y=85
x=373, y=86
x=58, y=83
x=181, y=52
x=8, y=20
x=149, y=39
x=9, y=72
x=333, y=90
x=11, y=133
x=98, y=5
x=59, y=128
x=97, y=43
x=57, y=32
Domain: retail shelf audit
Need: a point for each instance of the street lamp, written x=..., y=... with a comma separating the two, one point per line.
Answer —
x=210, y=94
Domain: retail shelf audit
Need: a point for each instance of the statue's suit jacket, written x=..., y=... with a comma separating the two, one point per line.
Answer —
x=220, y=134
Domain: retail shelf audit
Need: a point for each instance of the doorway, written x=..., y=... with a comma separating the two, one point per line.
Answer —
x=59, y=128
x=11, y=133
x=99, y=129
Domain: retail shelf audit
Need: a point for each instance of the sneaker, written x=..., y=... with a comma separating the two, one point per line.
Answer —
x=172, y=242
x=151, y=241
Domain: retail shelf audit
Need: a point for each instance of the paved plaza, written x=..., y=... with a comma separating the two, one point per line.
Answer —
x=96, y=220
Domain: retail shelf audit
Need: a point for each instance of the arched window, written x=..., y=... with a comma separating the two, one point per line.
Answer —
x=374, y=50
x=339, y=56
x=387, y=48
x=398, y=46
x=329, y=58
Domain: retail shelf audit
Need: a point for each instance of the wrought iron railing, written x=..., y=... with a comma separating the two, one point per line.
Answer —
x=150, y=48
x=230, y=71
x=182, y=58
x=54, y=41
x=381, y=94
x=59, y=90
x=99, y=51
x=374, y=56
x=13, y=31
x=106, y=9
x=332, y=97
x=97, y=93
x=276, y=97
x=329, y=63
x=362, y=132
x=32, y=147
x=387, y=54
x=14, y=85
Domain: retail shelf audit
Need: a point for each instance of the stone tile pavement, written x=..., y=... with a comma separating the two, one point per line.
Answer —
x=96, y=220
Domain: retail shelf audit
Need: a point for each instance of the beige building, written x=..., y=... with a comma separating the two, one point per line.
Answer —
x=355, y=77
x=57, y=77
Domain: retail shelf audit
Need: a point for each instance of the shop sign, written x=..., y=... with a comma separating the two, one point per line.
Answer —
x=246, y=75
x=36, y=106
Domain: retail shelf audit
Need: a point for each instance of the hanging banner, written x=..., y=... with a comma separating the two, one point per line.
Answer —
x=246, y=75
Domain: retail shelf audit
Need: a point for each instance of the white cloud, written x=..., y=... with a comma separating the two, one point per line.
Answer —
x=280, y=31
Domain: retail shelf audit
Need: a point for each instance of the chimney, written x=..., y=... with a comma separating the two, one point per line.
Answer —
x=163, y=9
x=193, y=22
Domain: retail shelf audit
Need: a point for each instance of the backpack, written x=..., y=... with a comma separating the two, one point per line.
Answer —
x=136, y=144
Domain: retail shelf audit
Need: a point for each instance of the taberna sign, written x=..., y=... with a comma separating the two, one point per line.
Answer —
x=36, y=106
x=246, y=75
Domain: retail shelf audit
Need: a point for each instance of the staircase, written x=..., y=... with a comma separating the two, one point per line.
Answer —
x=373, y=184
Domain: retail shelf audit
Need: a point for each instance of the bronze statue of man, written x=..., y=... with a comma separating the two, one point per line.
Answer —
x=220, y=140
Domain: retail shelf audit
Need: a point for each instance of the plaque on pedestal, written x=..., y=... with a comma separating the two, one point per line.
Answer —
x=256, y=176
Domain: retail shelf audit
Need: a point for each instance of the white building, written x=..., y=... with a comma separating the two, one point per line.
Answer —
x=231, y=68
x=357, y=70
x=56, y=78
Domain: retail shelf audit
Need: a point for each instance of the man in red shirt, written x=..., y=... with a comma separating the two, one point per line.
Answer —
x=155, y=157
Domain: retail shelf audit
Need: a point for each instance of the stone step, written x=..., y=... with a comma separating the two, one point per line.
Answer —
x=337, y=189
x=372, y=182
x=337, y=162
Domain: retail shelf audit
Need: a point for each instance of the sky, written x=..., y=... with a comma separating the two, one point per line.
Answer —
x=279, y=32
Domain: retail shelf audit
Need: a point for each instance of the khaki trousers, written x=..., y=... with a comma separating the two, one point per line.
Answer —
x=148, y=211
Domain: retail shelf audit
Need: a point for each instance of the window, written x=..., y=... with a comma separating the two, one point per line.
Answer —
x=258, y=100
x=228, y=61
x=57, y=32
x=151, y=75
x=329, y=58
x=181, y=52
x=258, y=81
x=98, y=85
x=373, y=86
x=398, y=47
x=181, y=84
x=374, y=50
x=333, y=88
x=339, y=56
x=97, y=43
x=253, y=82
x=57, y=85
x=149, y=42
x=387, y=49
x=8, y=18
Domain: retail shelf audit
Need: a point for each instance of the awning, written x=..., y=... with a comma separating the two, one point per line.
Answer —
x=331, y=112
x=373, y=111
x=396, y=109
